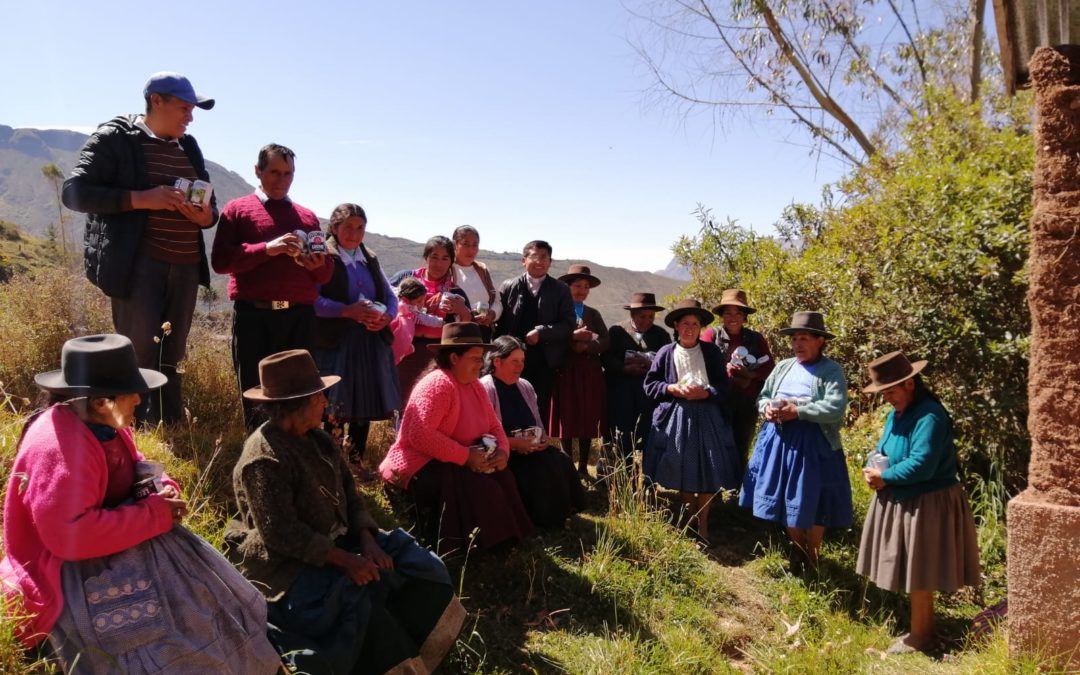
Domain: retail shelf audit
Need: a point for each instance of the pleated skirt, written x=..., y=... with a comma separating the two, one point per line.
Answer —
x=369, y=388
x=579, y=399
x=693, y=450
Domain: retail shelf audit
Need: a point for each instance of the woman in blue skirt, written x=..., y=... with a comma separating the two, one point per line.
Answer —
x=691, y=448
x=797, y=474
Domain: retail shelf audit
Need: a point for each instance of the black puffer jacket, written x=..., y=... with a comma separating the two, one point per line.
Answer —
x=111, y=165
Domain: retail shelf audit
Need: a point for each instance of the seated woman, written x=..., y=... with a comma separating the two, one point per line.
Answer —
x=343, y=596
x=691, y=448
x=97, y=563
x=797, y=475
x=439, y=456
x=549, y=487
x=919, y=535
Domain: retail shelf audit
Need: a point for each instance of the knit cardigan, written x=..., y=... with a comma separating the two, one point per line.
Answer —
x=53, y=512
x=919, y=443
x=430, y=418
x=527, y=392
x=829, y=396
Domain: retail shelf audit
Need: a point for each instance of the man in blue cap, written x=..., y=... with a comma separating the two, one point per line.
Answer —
x=144, y=246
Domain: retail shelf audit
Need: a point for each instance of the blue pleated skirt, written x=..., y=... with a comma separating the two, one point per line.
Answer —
x=369, y=387
x=693, y=450
x=796, y=478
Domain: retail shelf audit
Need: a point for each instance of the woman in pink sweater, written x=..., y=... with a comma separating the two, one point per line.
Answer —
x=95, y=561
x=451, y=452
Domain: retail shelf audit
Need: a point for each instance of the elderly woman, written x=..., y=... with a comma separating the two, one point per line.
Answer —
x=445, y=300
x=797, y=474
x=579, y=403
x=451, y=452
x=633, y=343
x=691, y=448
x=919, y=535
x=545, y=475
x=353, y=337
x=473, y=277
x=96, y=562
x=344, y=597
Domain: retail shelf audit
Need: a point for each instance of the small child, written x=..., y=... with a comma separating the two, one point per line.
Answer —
x=412, y=294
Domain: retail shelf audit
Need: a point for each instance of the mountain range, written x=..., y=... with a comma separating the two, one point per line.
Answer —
x=29, y=200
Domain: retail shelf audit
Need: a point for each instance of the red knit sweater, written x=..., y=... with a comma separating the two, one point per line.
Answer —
x=245, y=227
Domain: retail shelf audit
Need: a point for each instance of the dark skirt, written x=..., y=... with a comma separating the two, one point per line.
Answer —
x=549, y=486
x=408, y=619
x=171, y=604
x=369, y=388
x=692, y=450
x=796, y=478
x=629, y=413
x=579, y=398
x=414, y=366
x=925, y=543
x=452, y=501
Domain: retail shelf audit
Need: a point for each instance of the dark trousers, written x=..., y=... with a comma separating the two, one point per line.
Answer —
x=744, y=418
x=258, y=333
x=161, y=293
x=541, y=377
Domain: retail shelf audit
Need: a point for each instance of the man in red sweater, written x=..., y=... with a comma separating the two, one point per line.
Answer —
x=273, y=283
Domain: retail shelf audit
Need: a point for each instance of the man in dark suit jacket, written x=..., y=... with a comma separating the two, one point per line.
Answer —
x=538, y=310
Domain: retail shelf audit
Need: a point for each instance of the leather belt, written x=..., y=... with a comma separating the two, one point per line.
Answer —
x=268, y=304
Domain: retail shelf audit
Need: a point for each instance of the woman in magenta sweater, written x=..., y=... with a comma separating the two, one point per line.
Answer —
x=451, y=451
x=95, y=560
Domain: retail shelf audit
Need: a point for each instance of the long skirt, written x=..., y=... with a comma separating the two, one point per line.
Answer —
x=369, y=387
x=692, y=450
x=453, y=501
x=579, y=398
x=414, y=366
x=629, y=413
x=404, y=622
x=549, y=486
x=925, y=543
x=795, y=478
x=171, y=604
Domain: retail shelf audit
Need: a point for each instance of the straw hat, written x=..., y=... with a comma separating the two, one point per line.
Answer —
x=287, y=375
x=891, y=369
x=99, y=365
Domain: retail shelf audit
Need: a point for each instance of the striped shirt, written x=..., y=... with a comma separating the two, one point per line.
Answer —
x=169, y=237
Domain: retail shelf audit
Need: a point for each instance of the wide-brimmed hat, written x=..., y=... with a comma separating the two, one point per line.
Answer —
x=643, y=301
x=807, y=322
x=891, y=369
x=287, y=375
x=685, y=307
x=99, y=365
x=579, y=272
x=461, y=334
x=736, y=297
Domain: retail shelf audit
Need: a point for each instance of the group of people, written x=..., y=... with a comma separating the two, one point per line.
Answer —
x=100, y=571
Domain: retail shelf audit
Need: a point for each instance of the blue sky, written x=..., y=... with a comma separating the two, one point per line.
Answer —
x=526, y=120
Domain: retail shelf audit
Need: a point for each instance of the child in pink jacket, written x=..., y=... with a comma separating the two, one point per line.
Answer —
x=412, y=294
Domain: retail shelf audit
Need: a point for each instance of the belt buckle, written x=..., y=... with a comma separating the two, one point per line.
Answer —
x=279, y=304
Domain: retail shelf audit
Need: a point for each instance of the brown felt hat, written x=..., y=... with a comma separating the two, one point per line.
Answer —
x=891, y=369
x=689, y=306
x=287, y=375
x=736, y=297
x=643, y=301
x=807, y=322
x=461, y=334
x=99, y=365
x=579, y=272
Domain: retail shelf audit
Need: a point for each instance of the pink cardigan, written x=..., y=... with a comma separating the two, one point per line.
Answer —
x=52, y=513
x=426, y=427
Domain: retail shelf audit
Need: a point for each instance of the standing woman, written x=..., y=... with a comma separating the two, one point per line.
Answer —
x=919, y=535
x=545, y=475
x=797, y=474
x=458, y=487
x=445, y=300
x=473, y=277
x=579, y=403
x=690, y=448
x=353, y=337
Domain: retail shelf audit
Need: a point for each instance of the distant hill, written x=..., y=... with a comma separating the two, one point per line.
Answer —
x=675, y=271
x=28, y=200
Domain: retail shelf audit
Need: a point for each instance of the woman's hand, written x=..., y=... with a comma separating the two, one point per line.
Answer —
x=784, y=413
x=523, y=445
x=177, y=506
x=359, y=569
x=676, y=390
x=873, y=478
x=498, y=460
x=486, y=320
x=695, y=392
x=374, y=552
x=477, y=461
x=583, y=335
x=456, y=306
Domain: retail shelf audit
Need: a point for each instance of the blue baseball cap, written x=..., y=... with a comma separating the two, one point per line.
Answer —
x=175, y=84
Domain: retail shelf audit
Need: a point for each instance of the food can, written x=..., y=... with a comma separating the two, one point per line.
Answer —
x=183, y=185
x=302, y=236
x=200, y=192
x=316, y=241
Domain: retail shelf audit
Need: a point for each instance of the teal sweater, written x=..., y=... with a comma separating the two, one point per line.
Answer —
x=919, y=443
x=829, y=397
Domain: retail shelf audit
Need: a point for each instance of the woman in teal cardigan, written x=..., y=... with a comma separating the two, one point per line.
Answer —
x=797, y=475
x=919, y=536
